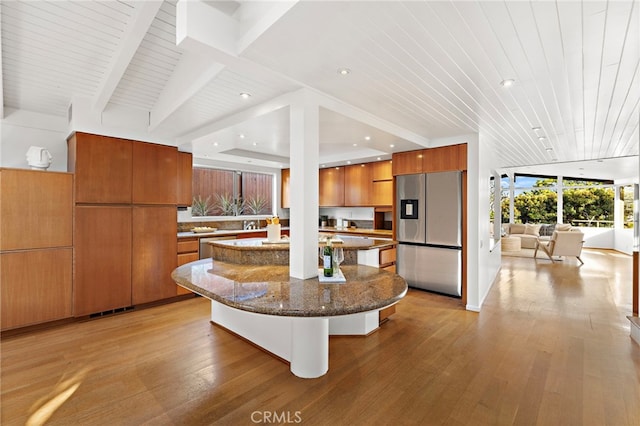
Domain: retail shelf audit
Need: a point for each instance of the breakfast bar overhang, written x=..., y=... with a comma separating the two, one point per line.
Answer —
x=289, y=317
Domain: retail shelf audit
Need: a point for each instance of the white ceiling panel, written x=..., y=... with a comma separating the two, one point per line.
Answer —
x=430, y=69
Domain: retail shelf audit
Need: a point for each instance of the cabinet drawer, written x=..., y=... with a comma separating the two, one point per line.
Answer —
x=186, y=258
x=188, y=246
x=387, y=256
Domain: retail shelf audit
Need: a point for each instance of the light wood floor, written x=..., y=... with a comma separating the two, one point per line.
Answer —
x=550, y=347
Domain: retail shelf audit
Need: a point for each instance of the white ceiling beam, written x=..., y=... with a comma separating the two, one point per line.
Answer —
x=212, y=41
x=135, y=32
x=240, y=117
x=365, y=117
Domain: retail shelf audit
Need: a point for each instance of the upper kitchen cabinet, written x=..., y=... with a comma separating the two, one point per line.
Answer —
x=331, y=181
x=284, y=188
x=445, y=158
x=407, y=163
x=185, y=178
x=102, y=167
x=155, y=172
x=382, y=183
x=382, y=170
x=36, y=209
x=357, y=185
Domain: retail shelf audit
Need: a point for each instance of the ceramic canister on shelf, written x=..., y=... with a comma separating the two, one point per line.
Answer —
x=273, y=233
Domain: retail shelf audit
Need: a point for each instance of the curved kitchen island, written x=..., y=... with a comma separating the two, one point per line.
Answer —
x=289, y=317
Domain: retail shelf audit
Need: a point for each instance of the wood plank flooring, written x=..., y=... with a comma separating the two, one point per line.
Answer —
x=550, y=347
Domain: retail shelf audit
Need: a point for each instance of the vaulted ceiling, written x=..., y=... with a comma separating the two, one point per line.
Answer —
x=418, y=71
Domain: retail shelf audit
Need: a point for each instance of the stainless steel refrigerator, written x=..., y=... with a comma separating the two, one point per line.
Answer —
x=429, y=231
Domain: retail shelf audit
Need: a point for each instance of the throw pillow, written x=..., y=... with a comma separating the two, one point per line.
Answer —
x=546, y=230
x=563, y=227
x=532, y=230
x=516, y=228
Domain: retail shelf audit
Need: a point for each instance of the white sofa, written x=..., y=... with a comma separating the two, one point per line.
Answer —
x=530, y=234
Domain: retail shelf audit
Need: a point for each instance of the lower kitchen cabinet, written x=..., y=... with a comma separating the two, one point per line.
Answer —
x=36, y=286
x=188, y=251
x=102, y=266
x=154, y=248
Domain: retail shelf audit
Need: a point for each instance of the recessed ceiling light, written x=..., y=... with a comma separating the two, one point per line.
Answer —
x=367, y=138
x=379, y=158
x=541, y=138
x=507, y=83
x=322, y=165
x=215, y=144
x=391, y=146
x=255, y=144
x=535, y=129
x=241, y=135
x=348, y=162
x=344, y=71
x=549, y=149
x=355, y=144
x=245, y=95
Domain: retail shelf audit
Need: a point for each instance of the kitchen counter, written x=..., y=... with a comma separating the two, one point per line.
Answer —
x=268, y=289
x=290, y=317
x=380, y=233
x=257, y=251
x=224, y=232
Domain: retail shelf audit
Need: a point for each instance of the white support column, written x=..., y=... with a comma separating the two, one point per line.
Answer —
x=512, y=209
x=310, y=347
x=560, y=203
x=303, y=217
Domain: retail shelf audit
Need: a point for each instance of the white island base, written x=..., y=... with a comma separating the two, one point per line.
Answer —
x=302, y=341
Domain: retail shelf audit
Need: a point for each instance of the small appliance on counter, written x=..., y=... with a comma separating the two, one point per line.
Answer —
x=38, y=158
x=429, y=234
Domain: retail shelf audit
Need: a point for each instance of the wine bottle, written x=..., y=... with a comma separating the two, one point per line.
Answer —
x=327, y=258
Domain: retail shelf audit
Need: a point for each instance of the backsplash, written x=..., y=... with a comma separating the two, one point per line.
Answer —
x=230, y=225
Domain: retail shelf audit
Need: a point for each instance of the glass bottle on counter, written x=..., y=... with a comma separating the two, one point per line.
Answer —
x=327, y=259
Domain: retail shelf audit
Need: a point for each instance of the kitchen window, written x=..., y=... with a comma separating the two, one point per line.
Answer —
x=219, y=192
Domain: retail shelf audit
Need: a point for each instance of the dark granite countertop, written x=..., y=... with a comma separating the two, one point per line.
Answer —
x=268, y=289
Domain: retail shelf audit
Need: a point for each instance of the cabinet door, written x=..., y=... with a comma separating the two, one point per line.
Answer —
x=331, y=182
x=382, y=193
x=284, y=188
x=407, y=163
x=382, y=170
x=36, y=286
x=36, y=208
x=154, y=248
x=155, y=172
x=102, y=266
x=102, y=167
x=185, y=178
x=357, y=185
x=441, y=159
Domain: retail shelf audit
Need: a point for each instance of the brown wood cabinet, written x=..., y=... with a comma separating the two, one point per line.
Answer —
x=36, y=208
x=445, y=158
x=102, y=166
x=36, y=286
x=185, y=179
x=331, y=182
x=382, y=170
x=155, y=173
x=441, y=159
x=382, y=193
x=407, y=163
x=36, y=217
x=188, y=251
x=358, y=186
x=154, y=248
x=284, y=188
x=102, y=272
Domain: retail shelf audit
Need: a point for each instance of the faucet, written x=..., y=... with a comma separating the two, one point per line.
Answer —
x=246, y=224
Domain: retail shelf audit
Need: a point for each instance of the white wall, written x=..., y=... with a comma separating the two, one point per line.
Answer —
x=22, y=129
